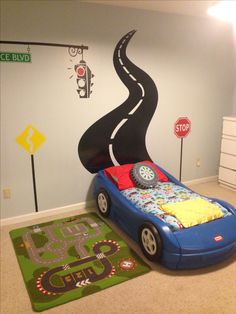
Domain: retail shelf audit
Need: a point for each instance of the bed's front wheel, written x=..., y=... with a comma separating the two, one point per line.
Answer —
x=150, y=242
x=103, y=203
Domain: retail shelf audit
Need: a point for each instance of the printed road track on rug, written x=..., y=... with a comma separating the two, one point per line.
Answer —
x=66, y=259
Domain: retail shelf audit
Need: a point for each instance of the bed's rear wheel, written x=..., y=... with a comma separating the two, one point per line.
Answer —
x=103, y=203
x=150, y=242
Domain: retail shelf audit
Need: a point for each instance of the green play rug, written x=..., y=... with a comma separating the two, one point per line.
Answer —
x=70, y=258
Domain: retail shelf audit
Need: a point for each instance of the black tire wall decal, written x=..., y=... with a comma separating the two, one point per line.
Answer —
x=119, y=136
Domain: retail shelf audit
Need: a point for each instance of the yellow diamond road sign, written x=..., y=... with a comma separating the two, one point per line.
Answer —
x=30, y=139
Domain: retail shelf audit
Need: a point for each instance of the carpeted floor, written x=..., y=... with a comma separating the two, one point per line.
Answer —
x=204, y=291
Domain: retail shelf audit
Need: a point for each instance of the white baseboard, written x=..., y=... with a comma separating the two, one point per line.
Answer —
x=79, y=206
x=48, y=212
x=201, y=180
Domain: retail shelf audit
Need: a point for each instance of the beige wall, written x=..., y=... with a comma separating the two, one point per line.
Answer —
x=234, y=101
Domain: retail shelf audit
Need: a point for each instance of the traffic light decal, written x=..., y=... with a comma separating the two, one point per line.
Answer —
x=83, y=73
x=84, y=76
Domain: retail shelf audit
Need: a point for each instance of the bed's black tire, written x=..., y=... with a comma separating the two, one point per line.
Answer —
x=144, y=175
x=103, y=203
x=150, y=242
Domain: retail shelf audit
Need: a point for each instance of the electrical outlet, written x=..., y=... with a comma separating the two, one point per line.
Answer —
x=198, y=162
x=7, y=193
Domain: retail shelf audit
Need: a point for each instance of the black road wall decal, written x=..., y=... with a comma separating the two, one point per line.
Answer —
x=119, y=136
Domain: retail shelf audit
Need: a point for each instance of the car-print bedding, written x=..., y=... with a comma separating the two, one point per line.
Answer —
x=151, y=200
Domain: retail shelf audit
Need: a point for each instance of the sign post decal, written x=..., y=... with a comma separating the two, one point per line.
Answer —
x=182, y=128
x=31, y=139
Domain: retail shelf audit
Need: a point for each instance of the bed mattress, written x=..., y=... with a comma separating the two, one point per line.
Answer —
x=151, y=200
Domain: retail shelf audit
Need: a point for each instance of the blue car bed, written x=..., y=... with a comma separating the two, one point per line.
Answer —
x=173, y=225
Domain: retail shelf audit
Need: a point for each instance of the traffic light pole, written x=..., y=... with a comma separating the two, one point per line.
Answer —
x=42, y=44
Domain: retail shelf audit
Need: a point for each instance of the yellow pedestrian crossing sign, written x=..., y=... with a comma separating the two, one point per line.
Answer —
x=30, y=139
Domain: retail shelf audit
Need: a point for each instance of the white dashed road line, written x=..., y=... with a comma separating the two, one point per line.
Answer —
x=123, y=121
x=117, y=128
x=121, y=61
x=126, y=70
x=136, y=107
x=133, y=78
x=115, y=162
x=141, y=86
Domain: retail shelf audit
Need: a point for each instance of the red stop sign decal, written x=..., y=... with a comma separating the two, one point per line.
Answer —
x=182, y=127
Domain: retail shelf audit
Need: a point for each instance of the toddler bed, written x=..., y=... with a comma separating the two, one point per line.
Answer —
x=173, y=224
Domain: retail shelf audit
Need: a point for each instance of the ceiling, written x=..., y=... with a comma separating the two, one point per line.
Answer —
x=186, y=7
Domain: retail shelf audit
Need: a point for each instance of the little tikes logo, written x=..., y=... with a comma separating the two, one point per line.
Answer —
x=218, y=238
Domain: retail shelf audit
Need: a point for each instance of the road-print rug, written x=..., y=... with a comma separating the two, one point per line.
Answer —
x=70, y=258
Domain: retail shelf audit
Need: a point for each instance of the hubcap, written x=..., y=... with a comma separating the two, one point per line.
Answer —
x=102, y=203
x=146, y=173
x=149, y=241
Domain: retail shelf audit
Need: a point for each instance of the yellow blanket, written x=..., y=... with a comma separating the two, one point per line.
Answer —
x=193, y=212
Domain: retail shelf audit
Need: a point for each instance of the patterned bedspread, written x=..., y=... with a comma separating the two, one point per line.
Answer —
x=150, y=200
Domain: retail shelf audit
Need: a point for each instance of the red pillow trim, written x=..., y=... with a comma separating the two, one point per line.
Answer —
x=120, y=176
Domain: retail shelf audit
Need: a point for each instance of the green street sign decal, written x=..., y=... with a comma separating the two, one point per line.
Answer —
x=15, y=57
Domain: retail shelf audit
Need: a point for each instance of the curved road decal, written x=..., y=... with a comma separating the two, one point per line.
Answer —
x=119, y=136
x=85, y=276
